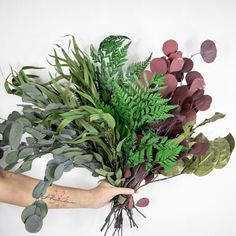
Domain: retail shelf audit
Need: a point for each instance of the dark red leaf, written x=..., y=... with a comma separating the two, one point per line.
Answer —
x=176, y=64
x=191, y=76
x=149, y=178
x=208, y=51
x=180, y=94
x=191, y=115
x=127, y=173
x=175, y=55
x=178, y=75
x=171, y=83
x=199, y=149
x=185, y=143
x=199, y=93
x=143, y=202
x=203, y=103
x=188, y=65
x=197, y=84
x=169, y=47
x=187, y=104
x=158, y=65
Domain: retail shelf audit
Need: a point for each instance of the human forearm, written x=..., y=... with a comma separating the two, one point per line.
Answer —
x=17, y=190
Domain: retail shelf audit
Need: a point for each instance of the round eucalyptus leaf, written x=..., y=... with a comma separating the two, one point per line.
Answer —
x=68, y=167
x=42, y=207
x=81, y=159
x=26, y=152
x=15, y=134
x=59, y=171
x=24, y=167
x=33, y=224
x=12, y=157
x=40, y=189
x=27, y=212
x=49, y=172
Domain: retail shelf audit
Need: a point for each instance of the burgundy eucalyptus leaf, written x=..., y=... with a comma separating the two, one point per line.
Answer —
x=203, y=103
x=177, y=64
x=149, y=178
x=127, y=173
x=158, y=65
x=199, y=149
x=180, y=94
x=170, y=46
x=178, y=75
x=187, y=104
x=198, y=94
x=143, y=202
x=175, y=55
x=191, y=76
x=191, y=115
x=188, y=65
x=208, y=51
x=185, y=143
x=170, y=83
x=197, y=84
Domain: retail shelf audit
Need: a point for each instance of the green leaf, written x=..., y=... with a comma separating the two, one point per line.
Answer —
x=119, y=174
x=223, y=152
x=25, y=152
x=81, y=159
x=101, y=172
x=35, y=133
x=33, y=224
x=58, y=172
x=12, y=157
x=26, y=166
x=42, y=206
x=15, y=134
x=215, y=117
x=40, y=189
x=231, y=141
x=121, y=199
x=27, y=212
x=177, y=169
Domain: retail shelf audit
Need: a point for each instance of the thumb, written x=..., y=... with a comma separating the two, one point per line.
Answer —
x=125, y=191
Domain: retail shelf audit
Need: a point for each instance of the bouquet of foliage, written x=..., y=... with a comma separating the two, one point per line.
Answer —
x=127, y=123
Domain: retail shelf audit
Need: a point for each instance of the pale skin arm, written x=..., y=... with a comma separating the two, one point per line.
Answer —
x=17, y=189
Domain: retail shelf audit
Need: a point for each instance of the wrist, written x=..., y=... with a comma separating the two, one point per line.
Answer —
x=85, y=199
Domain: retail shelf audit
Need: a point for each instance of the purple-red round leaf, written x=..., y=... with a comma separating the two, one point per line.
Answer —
x=203, y=103
x=158, y=65
x=177, y=64
x=143, y=202
x=208, y=51
x=191, y=76
x=170, y=46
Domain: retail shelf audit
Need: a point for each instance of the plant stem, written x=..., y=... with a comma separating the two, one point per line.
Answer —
x=194, y=54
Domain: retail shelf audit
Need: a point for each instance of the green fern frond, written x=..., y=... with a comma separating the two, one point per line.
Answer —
x=155, y=150
x=137, y=68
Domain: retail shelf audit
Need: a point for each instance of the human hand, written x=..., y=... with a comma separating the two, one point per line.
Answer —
x=105, y=192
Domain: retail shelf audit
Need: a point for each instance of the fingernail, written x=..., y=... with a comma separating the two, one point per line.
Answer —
x=131, y=191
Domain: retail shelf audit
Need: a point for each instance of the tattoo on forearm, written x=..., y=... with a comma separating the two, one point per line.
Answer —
x=57, y=197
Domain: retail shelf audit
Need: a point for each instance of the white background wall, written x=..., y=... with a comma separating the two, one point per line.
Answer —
x=187, y=205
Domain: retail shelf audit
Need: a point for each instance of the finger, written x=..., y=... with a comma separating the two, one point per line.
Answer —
x=125, y=191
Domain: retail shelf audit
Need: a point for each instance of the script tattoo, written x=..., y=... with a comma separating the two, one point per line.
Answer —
x=59, y=199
